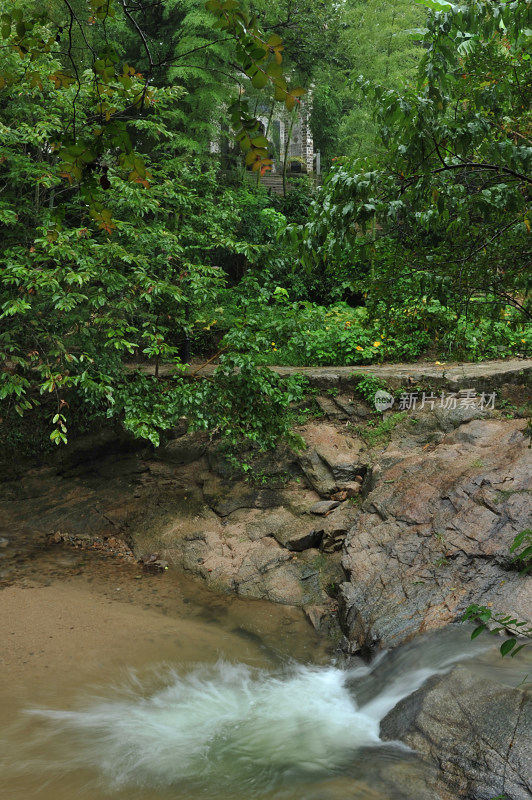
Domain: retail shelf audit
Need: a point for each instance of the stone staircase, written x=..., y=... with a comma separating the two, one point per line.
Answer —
x=274, y=181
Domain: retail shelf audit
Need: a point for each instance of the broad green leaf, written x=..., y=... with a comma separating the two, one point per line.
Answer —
x=260, y=141
x=507, y=646
x=258, y=53
x=251, y=157
x=290, y=102
x=259, y=80
x=274, y=70
x=280, y=93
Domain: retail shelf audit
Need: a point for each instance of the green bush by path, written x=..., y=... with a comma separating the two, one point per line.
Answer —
x=278, y=330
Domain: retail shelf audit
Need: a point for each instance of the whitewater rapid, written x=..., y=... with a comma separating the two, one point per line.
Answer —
x=227, y=724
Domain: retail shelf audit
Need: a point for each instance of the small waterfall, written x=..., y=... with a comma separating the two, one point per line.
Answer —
x=233, y=731
x=219, y=723
x=228, y=727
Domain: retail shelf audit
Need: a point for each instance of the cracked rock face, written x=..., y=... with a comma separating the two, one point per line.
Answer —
x=434, y=534
x=478, y=733
x=332, y=460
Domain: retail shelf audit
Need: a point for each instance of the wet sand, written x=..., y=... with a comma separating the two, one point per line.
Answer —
x=61, y=634
x=81, y=617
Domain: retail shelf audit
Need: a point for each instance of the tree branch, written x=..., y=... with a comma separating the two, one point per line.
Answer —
x=142, y=35
x=481, y=165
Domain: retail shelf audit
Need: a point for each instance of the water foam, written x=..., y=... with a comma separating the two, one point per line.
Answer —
x=235, y=725
x=227, y=720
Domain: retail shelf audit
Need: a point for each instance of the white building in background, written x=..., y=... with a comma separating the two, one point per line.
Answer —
x=301, y=155
x=286, y=135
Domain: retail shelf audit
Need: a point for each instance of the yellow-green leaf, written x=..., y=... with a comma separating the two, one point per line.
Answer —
x=259, y=80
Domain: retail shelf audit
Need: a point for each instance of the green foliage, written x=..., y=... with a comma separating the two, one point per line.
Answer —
x=381, y=42
x=505, y=624
x=196, y=57
x=264, y=320
x=444, y=212
x=523, y=558
x=327, y=115
x=260, y=58
x=241, y=404
x=310, y=32
x=248, y=402
x=368, y=385
x=111, y=254
x=378, y=434
x=120, y=249
x=262, y=316
x=89, y=99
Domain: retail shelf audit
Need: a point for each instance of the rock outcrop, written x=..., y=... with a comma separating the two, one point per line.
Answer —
x=478, y=733
x=435, y=531
x=412, y=532
x=268, y=535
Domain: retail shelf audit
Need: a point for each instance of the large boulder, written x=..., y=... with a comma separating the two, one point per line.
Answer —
x=478, y=733
x=236, y=537
x=435, y=531
x=331, y=459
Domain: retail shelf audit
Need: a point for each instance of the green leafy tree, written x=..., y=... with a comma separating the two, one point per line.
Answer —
x=381, y=40
x=444, y=213
x=111, y=245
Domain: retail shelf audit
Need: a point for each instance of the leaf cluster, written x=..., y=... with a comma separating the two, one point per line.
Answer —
x=260, y=58
x=447, y=205
x=505, y=624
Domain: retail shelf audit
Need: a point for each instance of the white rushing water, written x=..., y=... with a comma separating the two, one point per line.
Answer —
x=246, y=705
x=222, y=721
x=229, y=725
x=227, y=730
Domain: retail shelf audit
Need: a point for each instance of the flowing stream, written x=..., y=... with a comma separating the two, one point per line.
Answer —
x=195, y=697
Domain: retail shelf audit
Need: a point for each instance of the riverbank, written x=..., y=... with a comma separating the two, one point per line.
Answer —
x=79, y=613
x=383, y=528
